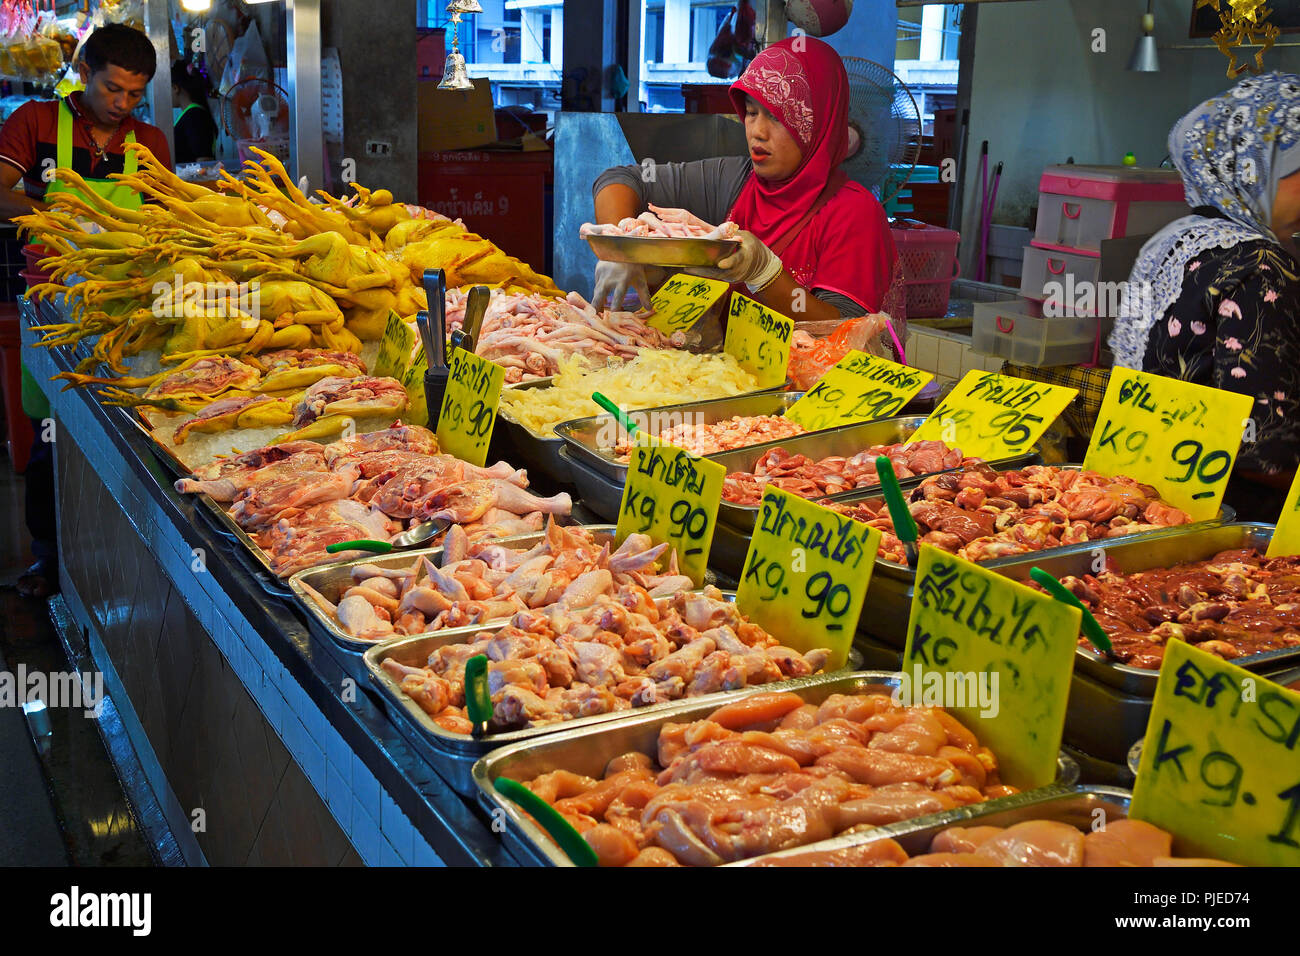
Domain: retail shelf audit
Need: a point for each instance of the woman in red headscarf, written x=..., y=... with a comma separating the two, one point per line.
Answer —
x=805, y=225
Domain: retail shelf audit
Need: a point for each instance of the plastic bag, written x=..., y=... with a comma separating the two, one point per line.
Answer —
x=722, y=53
x=247, y=60
x=817, y=346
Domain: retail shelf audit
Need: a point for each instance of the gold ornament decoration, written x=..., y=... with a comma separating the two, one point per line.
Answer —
x=1243, y=22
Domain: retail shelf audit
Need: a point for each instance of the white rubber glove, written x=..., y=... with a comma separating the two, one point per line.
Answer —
x=753, y=264
x=614, y=280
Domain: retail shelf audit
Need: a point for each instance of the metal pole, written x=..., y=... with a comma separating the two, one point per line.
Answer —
x=635, y=53
x=306, y=133
x=772, y=23
x=157, y=19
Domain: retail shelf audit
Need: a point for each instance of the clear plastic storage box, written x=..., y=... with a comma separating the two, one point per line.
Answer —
x=1014, y=332
x=1079, y=206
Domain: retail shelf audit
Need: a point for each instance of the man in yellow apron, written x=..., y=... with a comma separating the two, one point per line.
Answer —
x=86, y=132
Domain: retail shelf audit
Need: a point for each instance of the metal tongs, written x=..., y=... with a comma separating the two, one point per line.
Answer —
x=433, y=331
x=466, y=337
x=432, y=325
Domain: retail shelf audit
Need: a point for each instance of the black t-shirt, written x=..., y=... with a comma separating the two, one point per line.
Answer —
x=195, y=136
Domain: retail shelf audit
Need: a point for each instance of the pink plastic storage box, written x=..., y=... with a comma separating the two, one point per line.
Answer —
x=929, y=258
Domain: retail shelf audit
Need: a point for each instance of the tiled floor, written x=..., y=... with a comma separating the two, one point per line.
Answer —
x=67, y=808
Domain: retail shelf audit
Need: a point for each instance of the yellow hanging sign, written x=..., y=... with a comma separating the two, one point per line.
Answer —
x=395, y=347
x=469, y=407
x=682, y=301
x=858, y=388
x=994, y=416
x=417, y=408
x=998, y=655
x=1286, y=536
x=1219, y=766
x=672, y=496
x=759, y=339
x=1178, y=437
x=807, y=574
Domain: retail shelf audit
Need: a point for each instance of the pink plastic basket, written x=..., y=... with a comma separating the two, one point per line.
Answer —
x=929, y=258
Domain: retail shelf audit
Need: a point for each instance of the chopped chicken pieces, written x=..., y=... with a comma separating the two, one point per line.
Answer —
x=981, y=514
x=771, y=772
x=800, y=475
x=480, y=582
x=1233, y=605
x=1121, y=842
x=297, y=498
x=612, y=650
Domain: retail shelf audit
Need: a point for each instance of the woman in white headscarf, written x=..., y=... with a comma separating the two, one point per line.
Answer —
x=1215, y=297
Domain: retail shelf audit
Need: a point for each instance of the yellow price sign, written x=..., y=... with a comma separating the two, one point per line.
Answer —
x=759, y=339
x=1219, y=767
x=995, y=653
x=417, y=409
x=672, y=496
x=1286, y=536
x=806, y=574
x=994, y=416
x=469, y=407
x=1180, y=438
x=682, y=301
x=394, y=357
x=858, y=388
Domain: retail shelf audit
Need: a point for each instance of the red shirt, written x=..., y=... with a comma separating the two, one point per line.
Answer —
x=29, y=142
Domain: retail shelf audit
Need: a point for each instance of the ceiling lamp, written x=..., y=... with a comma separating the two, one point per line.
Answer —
x=1144, y=58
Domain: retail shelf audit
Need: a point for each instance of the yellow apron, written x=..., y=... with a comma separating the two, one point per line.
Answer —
x=35, y=404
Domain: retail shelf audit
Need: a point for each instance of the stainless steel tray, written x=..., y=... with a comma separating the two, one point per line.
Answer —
x=587, y=751
x=847, y=440
x=1140, y=553
x=661, y=251
x=266, y=576
x=582, y=435
x=1062, y=803
x=601, y=495
x=333, y=579
x=517, y=443
x=890, y=595
x=512, y=442
x=604, y=496
x=454, y=754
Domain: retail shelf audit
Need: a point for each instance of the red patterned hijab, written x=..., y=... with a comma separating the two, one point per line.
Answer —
x=802, y=83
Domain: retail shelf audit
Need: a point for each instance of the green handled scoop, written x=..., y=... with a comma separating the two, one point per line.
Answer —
x=421, y=534
x=562, y=832
x=629, y=426
x=1092, y=630
x=904, y=523
x=478, y=702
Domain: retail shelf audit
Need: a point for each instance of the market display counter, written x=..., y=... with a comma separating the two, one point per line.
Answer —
x=261, y=741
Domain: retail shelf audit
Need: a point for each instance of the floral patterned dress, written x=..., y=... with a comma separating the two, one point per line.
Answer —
x=1236, y=326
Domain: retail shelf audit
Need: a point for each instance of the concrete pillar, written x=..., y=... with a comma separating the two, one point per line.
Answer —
x=557, y=37
x=677, y=31
x=533, y=22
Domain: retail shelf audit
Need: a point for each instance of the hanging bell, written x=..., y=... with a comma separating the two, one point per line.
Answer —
x=454, y=76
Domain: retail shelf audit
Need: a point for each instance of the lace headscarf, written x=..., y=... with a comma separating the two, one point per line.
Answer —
x=1232, y=152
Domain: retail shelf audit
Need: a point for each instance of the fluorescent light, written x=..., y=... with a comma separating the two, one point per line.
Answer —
x=197, y=6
